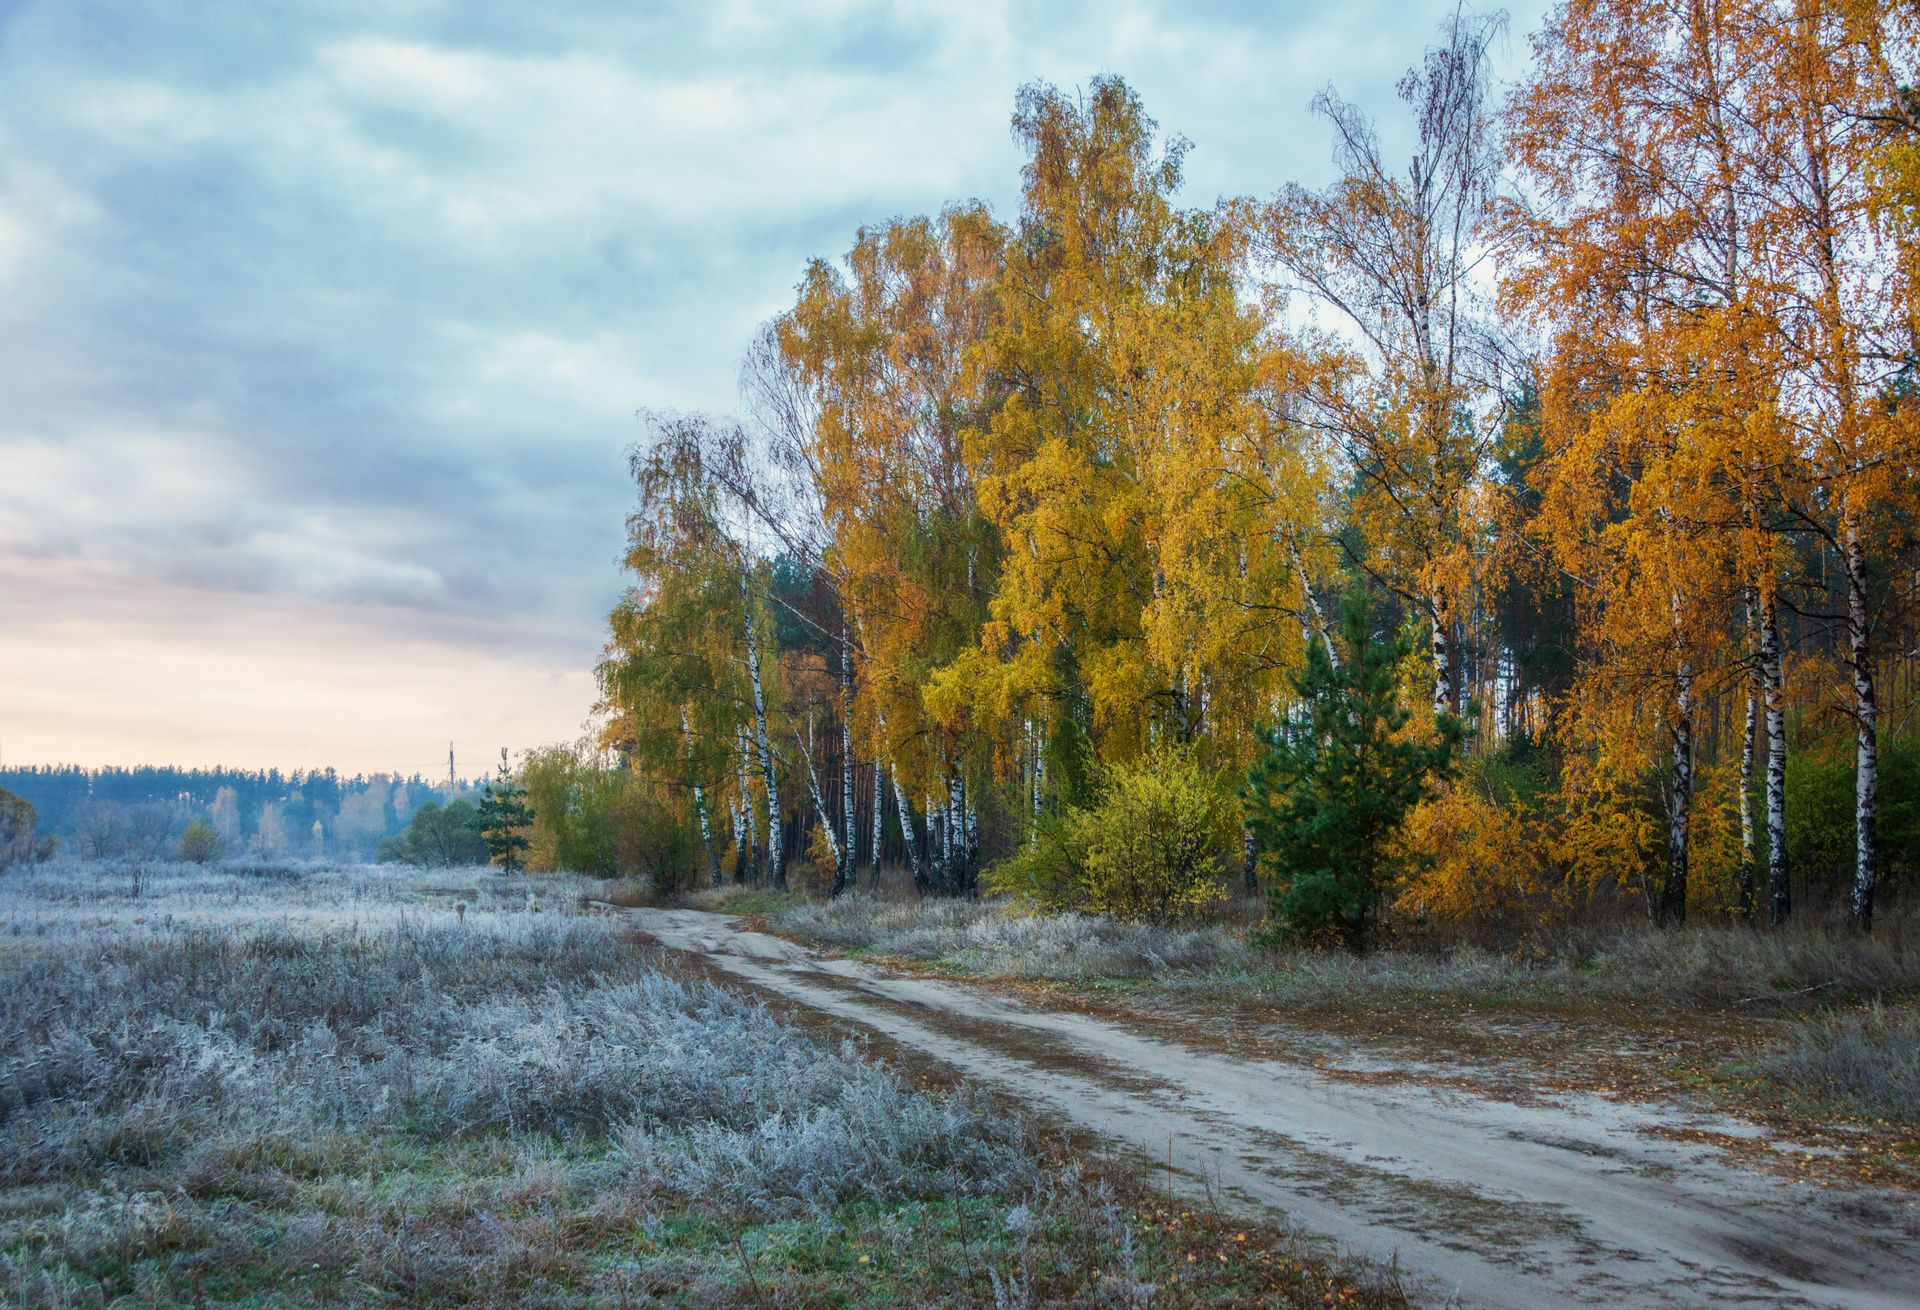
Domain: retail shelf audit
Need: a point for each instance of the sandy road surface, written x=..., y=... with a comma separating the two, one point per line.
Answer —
x=1481, y=1202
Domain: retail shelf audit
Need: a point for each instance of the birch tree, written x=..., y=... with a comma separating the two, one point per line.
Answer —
x=1396, y=256
x=688, y=637
x=1827, y=80
x=1640, y=261
x=879, y=343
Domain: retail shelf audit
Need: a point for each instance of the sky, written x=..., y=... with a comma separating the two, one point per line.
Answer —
x=324, y=327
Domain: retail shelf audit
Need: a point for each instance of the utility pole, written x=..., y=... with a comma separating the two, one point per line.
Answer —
x=451, y=784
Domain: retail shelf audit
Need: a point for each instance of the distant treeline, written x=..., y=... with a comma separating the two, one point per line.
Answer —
x=117, y=811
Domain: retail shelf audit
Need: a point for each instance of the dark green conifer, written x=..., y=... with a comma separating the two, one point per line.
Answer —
x=1336, y=781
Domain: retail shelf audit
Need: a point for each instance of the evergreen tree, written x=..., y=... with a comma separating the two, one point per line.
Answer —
x=1336, y=781
x=502, y=817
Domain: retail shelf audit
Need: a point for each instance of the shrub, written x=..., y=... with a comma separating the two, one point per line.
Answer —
x=1477, y=858
x=578, y=804
x=650, y=841
x=1150, y=849
x=1159, y=836
x=202, y=843
x=439, y=836
x=1820, y=816
x=16, y=829
x=1820, y=811
x=1050, y=872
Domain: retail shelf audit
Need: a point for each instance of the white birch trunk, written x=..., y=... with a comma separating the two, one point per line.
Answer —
x=1672, y=907
x=746, y=792
x=700, y=808
x=951, y=834
x=1866, y=721
x=1031, y=764
x=970, y=838
x=1442, y=658
x=906, y=829
x=706, y=835
x=1039, y=769
x=776, y=854
x=936, y=841
x=1748, y=859
x=1317, y=622
x=738, y=815
x=850, y=841
x=820, y=803
x=879, y=815
x=1774, y=702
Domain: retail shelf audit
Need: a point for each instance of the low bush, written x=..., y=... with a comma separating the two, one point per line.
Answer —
x=1161, y=833
x=202, y=843
x=583, y=812
x=1820, y=812
x=1150, y=850
x=16, y=830
x=438, y=837
x=650, y=843
x=1049, y=873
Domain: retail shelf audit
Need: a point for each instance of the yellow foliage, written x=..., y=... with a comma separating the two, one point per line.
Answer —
x=1159, y=836
x=1607, y=835
x=1476, y=858
x=1152, y=848
x=1713, y=866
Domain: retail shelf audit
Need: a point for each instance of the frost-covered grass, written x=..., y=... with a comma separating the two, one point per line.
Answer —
x=304, y=1085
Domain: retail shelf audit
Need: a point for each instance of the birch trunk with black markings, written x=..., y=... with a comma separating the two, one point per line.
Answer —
x=776, y=849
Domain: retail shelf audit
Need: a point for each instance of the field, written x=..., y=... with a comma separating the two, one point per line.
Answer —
x=271, y=1085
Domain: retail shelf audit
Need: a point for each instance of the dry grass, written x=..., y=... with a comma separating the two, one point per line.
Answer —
x=1708, y=965
x=1864, y=1063
x=1814, y=1022
x=984, y=938
x=303, y=1086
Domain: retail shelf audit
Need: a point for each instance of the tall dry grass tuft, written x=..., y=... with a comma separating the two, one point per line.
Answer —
x=1864, y=1063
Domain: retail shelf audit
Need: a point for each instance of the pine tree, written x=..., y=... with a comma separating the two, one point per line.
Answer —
x=503, y=815
x=1337, y=780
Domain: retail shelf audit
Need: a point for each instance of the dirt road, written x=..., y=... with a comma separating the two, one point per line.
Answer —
x=1481, y=1202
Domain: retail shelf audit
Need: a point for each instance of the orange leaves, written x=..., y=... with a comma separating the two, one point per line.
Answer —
x=884, y=348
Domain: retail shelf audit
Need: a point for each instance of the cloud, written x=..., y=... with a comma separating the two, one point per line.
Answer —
x=341, y=312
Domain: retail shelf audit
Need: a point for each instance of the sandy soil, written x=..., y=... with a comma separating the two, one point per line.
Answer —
x=1576, y=1200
